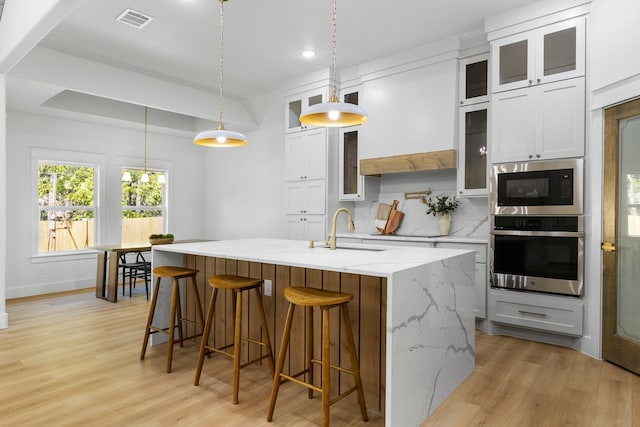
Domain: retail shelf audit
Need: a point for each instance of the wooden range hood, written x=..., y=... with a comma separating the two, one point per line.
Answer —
x=417, y=162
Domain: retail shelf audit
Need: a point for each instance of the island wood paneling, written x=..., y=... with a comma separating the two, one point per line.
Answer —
x=366, y=310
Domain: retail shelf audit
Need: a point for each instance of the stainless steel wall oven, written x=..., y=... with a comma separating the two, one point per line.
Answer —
x=538, y=253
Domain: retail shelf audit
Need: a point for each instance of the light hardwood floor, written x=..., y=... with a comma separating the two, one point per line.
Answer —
x=71, y=359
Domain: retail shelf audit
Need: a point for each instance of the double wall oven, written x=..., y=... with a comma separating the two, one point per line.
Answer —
x=537, y=226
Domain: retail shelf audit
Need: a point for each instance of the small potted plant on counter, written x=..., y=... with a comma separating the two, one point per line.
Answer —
x=442, y=205
x=161, y=239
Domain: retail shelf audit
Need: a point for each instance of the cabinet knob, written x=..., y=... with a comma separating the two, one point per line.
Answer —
x=530, y=82
x=530, y=156
x=461, y=102
x=538, y=81
x=538, y=156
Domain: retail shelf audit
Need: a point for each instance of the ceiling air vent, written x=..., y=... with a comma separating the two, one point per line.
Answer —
x=134, y=18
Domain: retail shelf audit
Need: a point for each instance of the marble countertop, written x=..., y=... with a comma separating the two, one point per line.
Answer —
x=412, y=238
x=372, y=260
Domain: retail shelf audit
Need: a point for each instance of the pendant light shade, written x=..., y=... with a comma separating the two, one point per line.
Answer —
x=126, y=176
x=221, y=137
x=334, y=113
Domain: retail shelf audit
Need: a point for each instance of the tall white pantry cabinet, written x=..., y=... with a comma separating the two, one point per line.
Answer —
x=310, y=180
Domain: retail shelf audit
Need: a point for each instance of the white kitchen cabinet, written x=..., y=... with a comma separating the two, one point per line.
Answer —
x=305, y=197
x=306, y=227
x=351, y=185
x=537, y=311
x=306, y=155
x=473, y=147
x=543, y=55
x=298, y=103
x=481, y=272
x=474, y=79
x=539, y=123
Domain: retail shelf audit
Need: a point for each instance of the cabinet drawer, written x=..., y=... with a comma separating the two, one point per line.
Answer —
x=556, y=314
x=479, y=248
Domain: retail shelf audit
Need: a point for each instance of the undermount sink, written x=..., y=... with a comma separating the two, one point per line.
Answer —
x=354, y=248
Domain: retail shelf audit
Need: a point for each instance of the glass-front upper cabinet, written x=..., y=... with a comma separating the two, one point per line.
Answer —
x=352, y=185
x=474, y=79
x=473, y=150
x=544, y=55
x=296, y=104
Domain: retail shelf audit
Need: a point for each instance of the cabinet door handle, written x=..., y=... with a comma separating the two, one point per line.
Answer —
x=530, y=82
x=530, y=156
x=532, y=313
x=538, y=156
x=538, y=81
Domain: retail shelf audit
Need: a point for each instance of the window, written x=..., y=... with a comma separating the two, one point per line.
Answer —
x=143, y=205
x=66, y=203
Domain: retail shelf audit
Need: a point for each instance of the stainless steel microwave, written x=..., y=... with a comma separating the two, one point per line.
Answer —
x=553, y=187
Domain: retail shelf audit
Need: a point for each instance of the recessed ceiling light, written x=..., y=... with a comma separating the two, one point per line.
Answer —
x=308, y=53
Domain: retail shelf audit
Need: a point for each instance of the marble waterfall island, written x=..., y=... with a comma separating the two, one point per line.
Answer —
x=420, y=299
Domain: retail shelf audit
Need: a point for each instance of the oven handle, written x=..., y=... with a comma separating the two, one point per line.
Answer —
x=538, y=233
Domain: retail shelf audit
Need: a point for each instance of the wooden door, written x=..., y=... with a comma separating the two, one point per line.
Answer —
x=621, y=236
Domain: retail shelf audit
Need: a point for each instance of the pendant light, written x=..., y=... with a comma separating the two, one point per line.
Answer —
x=221, y=137
x=334, y=113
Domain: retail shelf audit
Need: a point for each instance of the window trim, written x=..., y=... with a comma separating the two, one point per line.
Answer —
x=65, y=157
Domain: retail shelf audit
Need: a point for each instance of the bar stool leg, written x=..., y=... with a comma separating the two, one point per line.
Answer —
x=309, y=355
x=205, y=336
x=172, y=322
x=178, y=319
x=196, y=297
x=326, y=374
x=152, y=310
x=279, y=366
x=237, y=332
x=265, y=330
x=355, y=364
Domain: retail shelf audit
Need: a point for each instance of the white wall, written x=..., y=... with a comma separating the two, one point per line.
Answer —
x=29, y=275
x=613, y=42
x=4, y=318
x=245, y=185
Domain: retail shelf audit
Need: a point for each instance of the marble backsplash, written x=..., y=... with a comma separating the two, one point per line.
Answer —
x=471, y=219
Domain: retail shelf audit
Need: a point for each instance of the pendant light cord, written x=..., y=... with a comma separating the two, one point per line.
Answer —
x=334, y=95
x=221, y=125
x=145, y=139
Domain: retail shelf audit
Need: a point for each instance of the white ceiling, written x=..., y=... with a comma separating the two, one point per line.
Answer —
x=263, y=38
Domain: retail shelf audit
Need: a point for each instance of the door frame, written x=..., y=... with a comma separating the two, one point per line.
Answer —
x=616, y=349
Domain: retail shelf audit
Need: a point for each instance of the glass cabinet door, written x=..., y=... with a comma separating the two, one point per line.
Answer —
x=350, y=166
x=299, y=103
x=514, y=62
x=472, y=168
x=474, y=87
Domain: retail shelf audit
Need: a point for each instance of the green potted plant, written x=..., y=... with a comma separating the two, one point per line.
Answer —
x=160, y=239
x=442, y=205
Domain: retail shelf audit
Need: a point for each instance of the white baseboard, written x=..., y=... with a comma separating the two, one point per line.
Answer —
x=4, y=320
x=49, y=288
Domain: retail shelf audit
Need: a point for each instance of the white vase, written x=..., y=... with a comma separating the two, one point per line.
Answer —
x=444, y=224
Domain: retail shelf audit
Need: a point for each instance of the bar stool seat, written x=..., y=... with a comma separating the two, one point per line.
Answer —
x=237, y=285
x=175, y=314
x=325, y=300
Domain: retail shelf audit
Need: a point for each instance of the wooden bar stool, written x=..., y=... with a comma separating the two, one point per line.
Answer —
x=237, y=285
x=175, y=273
x=325, y=300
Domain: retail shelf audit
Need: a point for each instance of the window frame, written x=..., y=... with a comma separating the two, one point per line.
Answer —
x=71, y=158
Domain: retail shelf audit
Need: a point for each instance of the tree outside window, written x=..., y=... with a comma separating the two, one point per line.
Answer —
x=66, y=202
x=143, y=208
